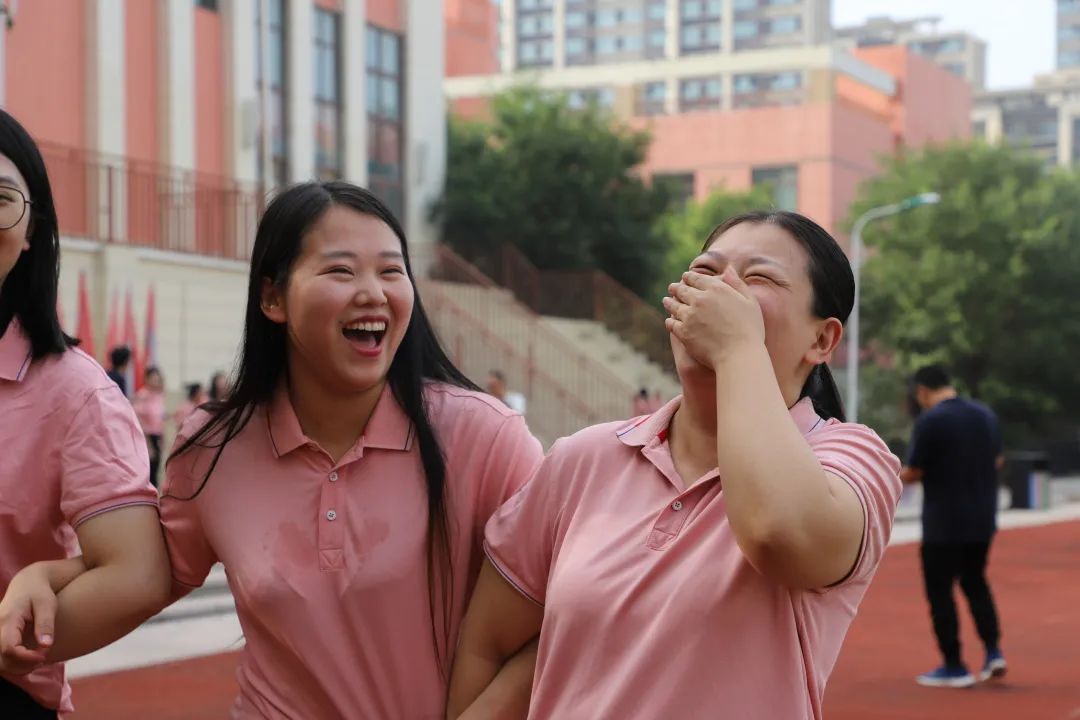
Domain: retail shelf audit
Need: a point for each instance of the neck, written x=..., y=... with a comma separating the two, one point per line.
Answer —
x=940, y=396
x=692, y=435
x=332, y=419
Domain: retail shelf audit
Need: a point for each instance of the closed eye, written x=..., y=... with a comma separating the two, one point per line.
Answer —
x=394, y=271
x=703, y=269
x=339, y=270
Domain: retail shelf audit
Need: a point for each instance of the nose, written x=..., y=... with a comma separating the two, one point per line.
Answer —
x=369, y=291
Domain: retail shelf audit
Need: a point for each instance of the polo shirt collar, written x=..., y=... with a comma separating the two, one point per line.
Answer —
x=642, y=431
x=388, y=428
x=15, y=353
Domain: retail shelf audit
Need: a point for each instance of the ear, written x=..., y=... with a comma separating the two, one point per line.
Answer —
x=272, y=302
x=829, y=333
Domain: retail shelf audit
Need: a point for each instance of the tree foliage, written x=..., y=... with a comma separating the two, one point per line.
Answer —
x=987, y=282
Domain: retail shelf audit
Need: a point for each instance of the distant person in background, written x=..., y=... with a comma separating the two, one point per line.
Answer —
x=643, y=404
x=956, y=453
x=149, y=403
x=219, y=387
x=496, y=387
x=119, y=357
x=196, y=396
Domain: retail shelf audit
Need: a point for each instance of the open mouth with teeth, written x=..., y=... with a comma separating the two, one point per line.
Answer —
x=366, y=335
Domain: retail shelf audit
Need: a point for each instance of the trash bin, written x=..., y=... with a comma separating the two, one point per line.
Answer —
x=1027, y=475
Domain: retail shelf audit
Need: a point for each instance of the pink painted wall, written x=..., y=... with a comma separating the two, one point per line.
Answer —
x=387, y=14
x=142, y=107
x=471, y=37
x=46, y=71
x=209, y=93
x=932, y=105
x=722, y=149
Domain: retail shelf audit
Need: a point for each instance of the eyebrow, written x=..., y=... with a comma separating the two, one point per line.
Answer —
x=10, y=182
x=336, y=254
x=755, y=260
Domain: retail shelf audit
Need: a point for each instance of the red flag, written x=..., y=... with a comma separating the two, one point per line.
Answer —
x=131, y=340
x=112, y=332
x=85, y=332
x=150, y=357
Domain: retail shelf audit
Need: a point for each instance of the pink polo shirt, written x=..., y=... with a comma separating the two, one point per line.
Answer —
x=651, y=610
x=327, y=562
x=71, y=449
x=150, y=409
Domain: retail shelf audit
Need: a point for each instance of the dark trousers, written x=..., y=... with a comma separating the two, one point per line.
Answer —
x=943, y=565
x=153, y=444
x=16, y=704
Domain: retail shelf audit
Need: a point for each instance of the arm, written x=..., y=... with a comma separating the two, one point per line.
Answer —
x=499, y=623
x=909, y=475
x=121, y=580
x=795, y=522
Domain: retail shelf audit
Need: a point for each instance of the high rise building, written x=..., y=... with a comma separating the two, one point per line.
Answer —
x=960, y=53
x=1068, y=34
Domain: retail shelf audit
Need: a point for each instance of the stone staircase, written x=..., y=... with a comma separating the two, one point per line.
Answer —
x=616, y=355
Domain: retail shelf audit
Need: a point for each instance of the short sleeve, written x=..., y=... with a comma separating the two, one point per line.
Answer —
x=858, y=456
x=514, y=456
x=521, y=537
x=104, y=461
x=190, y=552
x=919, y=451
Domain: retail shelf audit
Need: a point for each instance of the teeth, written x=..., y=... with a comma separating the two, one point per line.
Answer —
x=377, y=326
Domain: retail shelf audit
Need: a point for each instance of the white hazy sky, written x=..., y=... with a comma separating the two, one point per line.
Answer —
x=1019, y=33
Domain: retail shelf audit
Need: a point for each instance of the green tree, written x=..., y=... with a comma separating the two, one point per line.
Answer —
x=987, y=282
x=557, y=182
x=685, y=231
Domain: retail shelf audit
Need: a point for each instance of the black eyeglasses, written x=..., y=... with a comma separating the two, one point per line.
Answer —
x=13, y=206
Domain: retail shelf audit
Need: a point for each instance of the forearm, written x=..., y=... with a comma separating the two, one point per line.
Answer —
x=473, y=673
x=60, y=573
x=772, y=481
x=104, y=604
x=506, y=697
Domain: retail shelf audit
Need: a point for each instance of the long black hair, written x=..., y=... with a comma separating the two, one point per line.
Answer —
x=29, y=290
x=833, y=284
x=261, y=366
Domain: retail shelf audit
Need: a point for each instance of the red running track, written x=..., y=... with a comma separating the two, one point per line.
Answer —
x=1034, y=572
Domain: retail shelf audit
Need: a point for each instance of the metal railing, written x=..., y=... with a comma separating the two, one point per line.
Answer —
x=117, y=200
x=584, y=294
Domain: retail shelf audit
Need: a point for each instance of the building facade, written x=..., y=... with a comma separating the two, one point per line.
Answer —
x=1068, y=34
x=166, y=124
x=960, y=53
x=1043, y=119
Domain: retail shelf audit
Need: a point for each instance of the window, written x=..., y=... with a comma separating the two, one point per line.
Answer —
x=631, y=16
x=744, y=84
x=657, y=12
x=784, y=182
x=207, y=4
x=575, y=46
x=714, y=8
x=745, y=4
x=786, y=81
x=326, y=41
x=632, y=43
x=712, y=34
x=576, y=20
x=657, y=38
x=385, y=81
x=528, y=52
x=778, y=3
x=691, y=90
x=786, y=24
x=691, y=37
x=606, y=45
x=691, y=9
x=956, y=69
x=270, y=68
x=746, y=28
x=655, y=91
x=547, y=50
x=606, y=18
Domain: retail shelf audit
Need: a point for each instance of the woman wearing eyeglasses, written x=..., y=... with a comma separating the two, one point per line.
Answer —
x=74, y=462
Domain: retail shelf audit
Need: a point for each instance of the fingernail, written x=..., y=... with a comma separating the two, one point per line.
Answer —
x=45, y=639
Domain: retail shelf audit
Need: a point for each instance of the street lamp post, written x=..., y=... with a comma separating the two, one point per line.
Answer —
x=929, y=198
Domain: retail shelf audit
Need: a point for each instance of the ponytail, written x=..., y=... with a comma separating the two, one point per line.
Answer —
x=822, y=391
